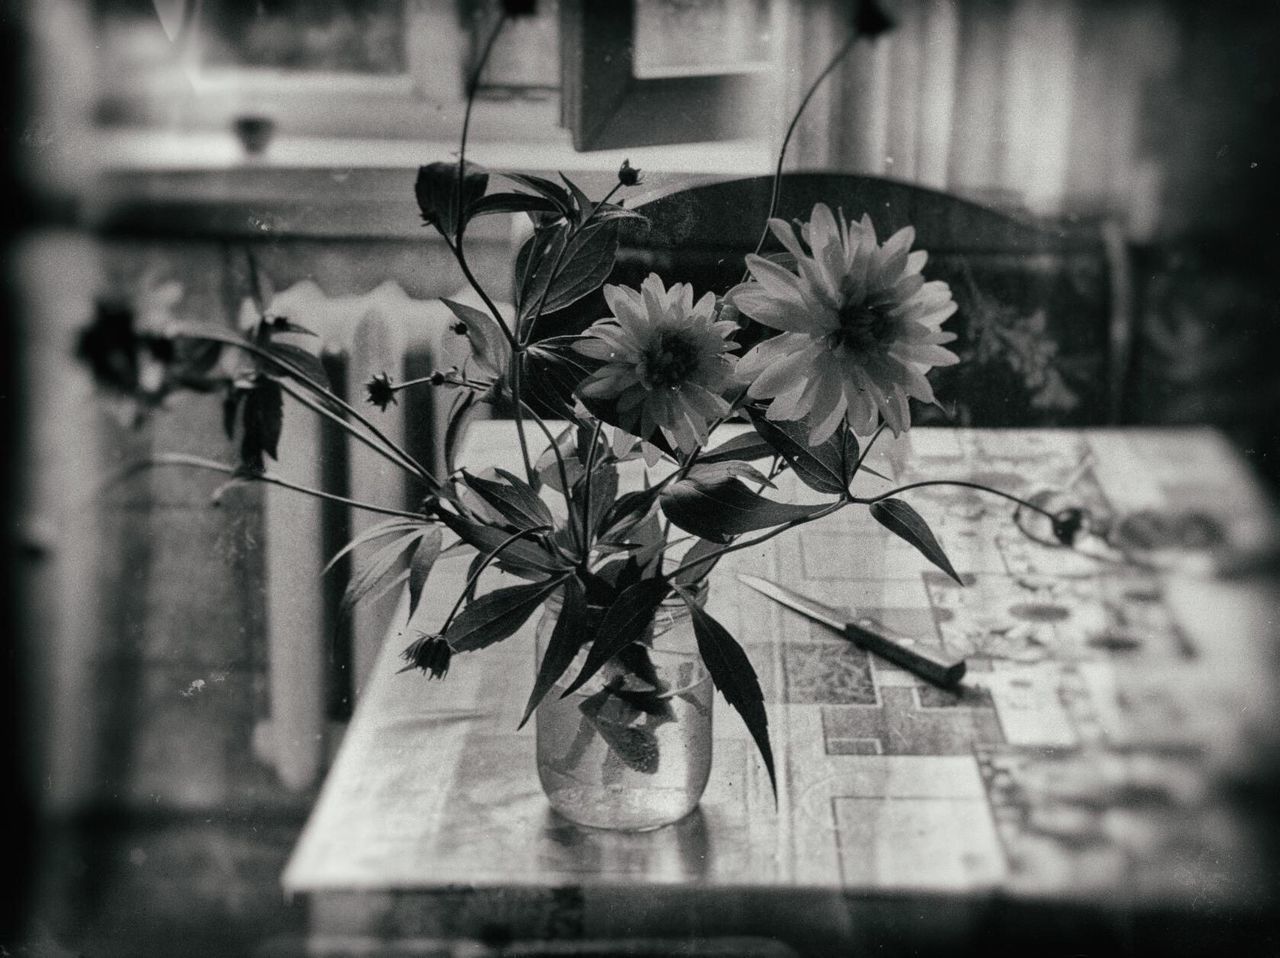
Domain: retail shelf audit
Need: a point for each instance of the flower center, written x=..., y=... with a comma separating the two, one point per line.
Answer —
x=861, y=330
x=670, y=361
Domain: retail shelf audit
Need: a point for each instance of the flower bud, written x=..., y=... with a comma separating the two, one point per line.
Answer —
x=431, y=654
x=381, y=391
x=628, y=175
x=437, y=190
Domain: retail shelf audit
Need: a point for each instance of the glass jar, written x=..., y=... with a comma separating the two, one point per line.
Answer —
x=631, y=749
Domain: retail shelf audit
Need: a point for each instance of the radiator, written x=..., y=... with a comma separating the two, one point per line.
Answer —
x=382, y=331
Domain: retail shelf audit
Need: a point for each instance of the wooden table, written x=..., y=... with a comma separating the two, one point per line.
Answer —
x=1095, y=784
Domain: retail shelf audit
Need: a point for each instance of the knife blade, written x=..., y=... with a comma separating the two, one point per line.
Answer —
x=945, y=675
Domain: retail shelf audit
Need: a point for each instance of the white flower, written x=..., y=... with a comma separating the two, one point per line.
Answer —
x=859, y=325
x=665, y=362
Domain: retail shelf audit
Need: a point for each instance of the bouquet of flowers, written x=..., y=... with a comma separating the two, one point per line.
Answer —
x=845, y=328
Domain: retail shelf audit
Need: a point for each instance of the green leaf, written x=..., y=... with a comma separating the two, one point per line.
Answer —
x=375, y=570
x=611, y=211
x=521, y=556
x=733, y=675
x=904, y=522
x=551, y=376
x=387, y=584
x=489, y=344
x=262, y=420
x=604, y=489
x=513, y=499
x=566, y=639
x=547, y=188
x=626, y=620
x=581, y=201
x=635, y=745
x=711, y=473
x=547, y=469
x=721, y=511
x=630, y=508
x=700, y=562
x=826, y=467
x=749, y=447
x=424, y=557
x=376, y=531
x=581, y=262
x=496, y=615
x=510, y=203
x=300, y=360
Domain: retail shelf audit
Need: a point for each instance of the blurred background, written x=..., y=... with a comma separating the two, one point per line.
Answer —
x=177, y=673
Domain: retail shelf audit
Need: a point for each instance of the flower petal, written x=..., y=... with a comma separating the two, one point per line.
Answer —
x=775, y=312
x=823, y=428
x=784, y=372
x=786, y=236
x=776, y=280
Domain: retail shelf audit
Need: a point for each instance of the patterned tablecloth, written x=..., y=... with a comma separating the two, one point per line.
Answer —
x=1100, y=759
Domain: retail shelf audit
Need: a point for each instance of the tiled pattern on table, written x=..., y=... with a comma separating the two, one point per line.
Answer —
x=826, y=672
x=903, y=725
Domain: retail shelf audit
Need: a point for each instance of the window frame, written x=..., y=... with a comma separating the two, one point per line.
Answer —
x=424, y=102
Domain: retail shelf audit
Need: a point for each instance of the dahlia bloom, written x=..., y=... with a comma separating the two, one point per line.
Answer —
x=859, y=326
x=665, y=361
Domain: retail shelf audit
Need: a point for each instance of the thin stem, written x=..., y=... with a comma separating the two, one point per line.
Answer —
x=185, y=332
x=586, y=493
x=747, y=543
x=473, y=84
x=449, y=379
x=867, y=449
x=1022, y=503
x=461, y=257
x=560, y=466
x=392, y=454
x=518, y=402
x=692, y=458
x=786, y=140
x=199, y=462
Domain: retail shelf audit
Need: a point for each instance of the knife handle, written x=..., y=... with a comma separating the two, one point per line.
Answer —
x=945, y=675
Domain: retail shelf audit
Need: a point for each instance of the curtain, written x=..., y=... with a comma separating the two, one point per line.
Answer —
x=1037, y=104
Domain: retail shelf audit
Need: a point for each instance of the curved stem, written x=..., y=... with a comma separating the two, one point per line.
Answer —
x=560, y=466
x=461, y=258
x=455, y=242
x=473, y=84
x=587, y=531
x=518, y=404
x=199, y=462
x=393, y=454
x=214, y=336
x=786, y=140
x=961, y=483
x=866, y=450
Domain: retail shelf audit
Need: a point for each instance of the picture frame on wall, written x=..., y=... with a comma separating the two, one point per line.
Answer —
x=650, y=72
